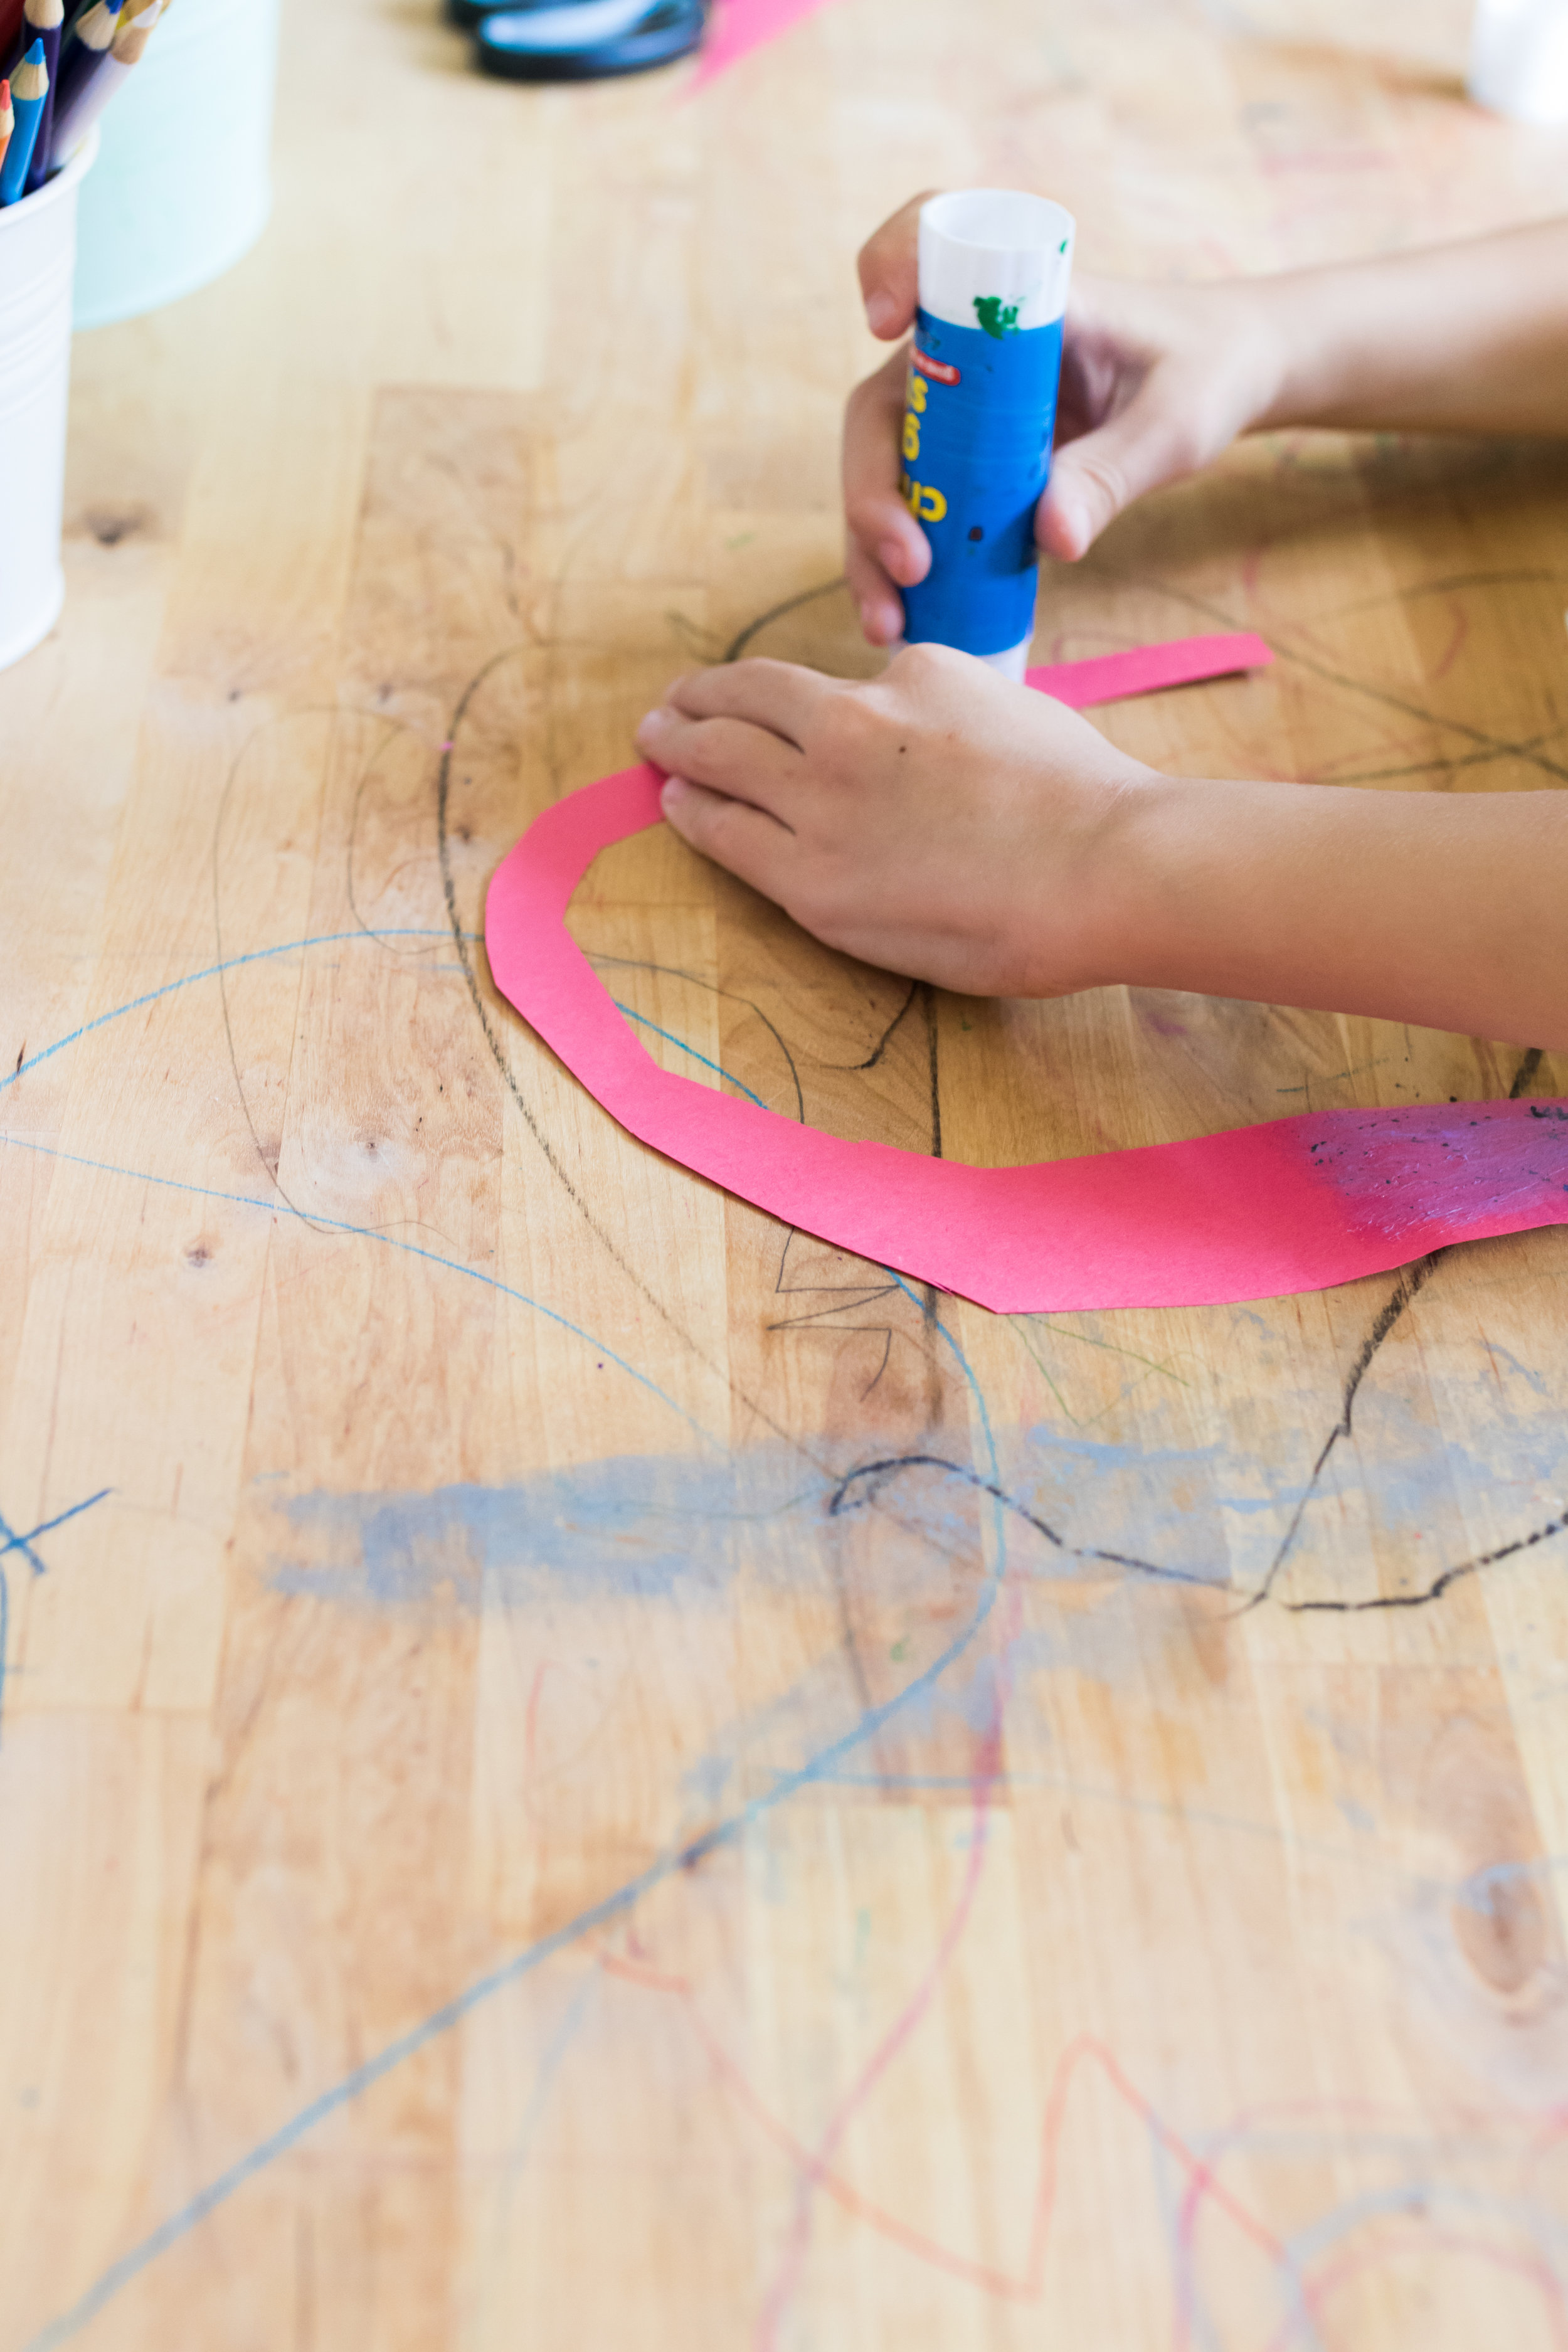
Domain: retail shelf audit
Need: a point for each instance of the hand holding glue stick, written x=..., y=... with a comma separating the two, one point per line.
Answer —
x=941, y=823
x=980, y=404
x=1157, y=381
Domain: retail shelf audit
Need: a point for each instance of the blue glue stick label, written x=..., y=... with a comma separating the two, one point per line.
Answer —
x=979, y=411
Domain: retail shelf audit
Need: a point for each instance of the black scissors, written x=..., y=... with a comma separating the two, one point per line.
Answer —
x=579, y=40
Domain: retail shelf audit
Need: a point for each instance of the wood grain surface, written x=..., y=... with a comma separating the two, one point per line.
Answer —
x=579, y=1770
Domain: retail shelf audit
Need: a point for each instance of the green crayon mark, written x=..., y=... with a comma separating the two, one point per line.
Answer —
x=998, y=320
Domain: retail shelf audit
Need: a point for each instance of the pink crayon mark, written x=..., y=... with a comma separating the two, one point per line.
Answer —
x=813, y=2172
x=1533, y=2267
x=1461, y=630
x=1363, y=2111
x=1313, y=2288
x=1027, y=2283
x=739, y=26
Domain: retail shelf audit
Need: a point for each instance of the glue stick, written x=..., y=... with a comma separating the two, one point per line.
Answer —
x=979, y=409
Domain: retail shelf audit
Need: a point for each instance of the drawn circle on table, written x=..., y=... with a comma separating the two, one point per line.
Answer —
x=1290, y=1205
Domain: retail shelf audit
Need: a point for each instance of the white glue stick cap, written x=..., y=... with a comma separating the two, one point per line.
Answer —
x=1013, y=663
x=1519, y=58
x=995, y=242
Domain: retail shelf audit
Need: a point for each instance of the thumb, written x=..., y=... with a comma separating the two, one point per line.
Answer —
x=888, y=263
x=1153, y=440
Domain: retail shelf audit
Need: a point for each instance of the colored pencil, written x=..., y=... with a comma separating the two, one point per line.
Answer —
x=30, y=89
x=86, y=51
x=10, y=26
x=80, y=106
x=45, y=19
x=137, y=20
x=7, y=119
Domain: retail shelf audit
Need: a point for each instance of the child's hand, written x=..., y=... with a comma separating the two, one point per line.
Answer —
x=946, y=824
x=1156, y=381
x=938, y=821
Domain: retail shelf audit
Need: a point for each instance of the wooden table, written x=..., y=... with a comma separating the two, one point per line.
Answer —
x=556, y=1791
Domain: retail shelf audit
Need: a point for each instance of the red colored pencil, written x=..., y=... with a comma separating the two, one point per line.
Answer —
x=10, y=26
x=7, y=118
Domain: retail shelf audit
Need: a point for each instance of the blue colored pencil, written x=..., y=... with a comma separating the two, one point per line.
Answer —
x=46, y=20
x=30, y=89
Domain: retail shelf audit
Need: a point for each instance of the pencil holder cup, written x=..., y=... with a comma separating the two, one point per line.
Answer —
x=183, y=184
x=38, y=247
x=1519, y=59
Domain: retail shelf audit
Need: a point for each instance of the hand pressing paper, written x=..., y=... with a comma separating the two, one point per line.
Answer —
x=1297, y=1204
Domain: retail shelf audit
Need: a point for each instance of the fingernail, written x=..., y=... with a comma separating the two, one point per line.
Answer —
x=672, y=792
x=1072, y=524
x=891, y=557
x=881, y=314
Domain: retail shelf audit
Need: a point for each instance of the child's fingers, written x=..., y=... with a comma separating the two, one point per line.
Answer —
x=879, y=525
x=889, y=270
x=726, y=755
x=730, y=832
x=877, y=600
x=1154, y=440
x=781, y=696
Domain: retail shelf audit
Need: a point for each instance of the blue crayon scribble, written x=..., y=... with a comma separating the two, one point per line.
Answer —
x=11, y=1541
x=670, y=1525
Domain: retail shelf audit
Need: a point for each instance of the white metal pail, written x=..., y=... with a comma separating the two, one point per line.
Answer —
x=183, y=186
x=38, y=246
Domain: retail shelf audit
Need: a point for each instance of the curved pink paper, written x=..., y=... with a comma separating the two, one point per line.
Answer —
x=1297, y=1204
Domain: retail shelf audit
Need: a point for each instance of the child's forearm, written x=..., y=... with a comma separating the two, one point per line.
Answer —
x=1450, y=911
x=1465, y=338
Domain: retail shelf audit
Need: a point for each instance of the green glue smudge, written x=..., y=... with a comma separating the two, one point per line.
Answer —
x=996, y=318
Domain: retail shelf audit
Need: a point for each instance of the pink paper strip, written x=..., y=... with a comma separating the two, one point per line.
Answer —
x=1145, y=669
x=1298, y=1205
x=739, y=26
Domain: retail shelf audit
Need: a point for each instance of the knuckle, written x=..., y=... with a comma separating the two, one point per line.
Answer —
x=921, y=664
x=1183, y=450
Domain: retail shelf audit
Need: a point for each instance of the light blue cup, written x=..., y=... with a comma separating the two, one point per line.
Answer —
x=182, y=185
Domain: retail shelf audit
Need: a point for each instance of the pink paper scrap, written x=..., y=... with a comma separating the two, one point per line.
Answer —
x=739, y=26
x=1297, y=1204
x=1143, y=670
